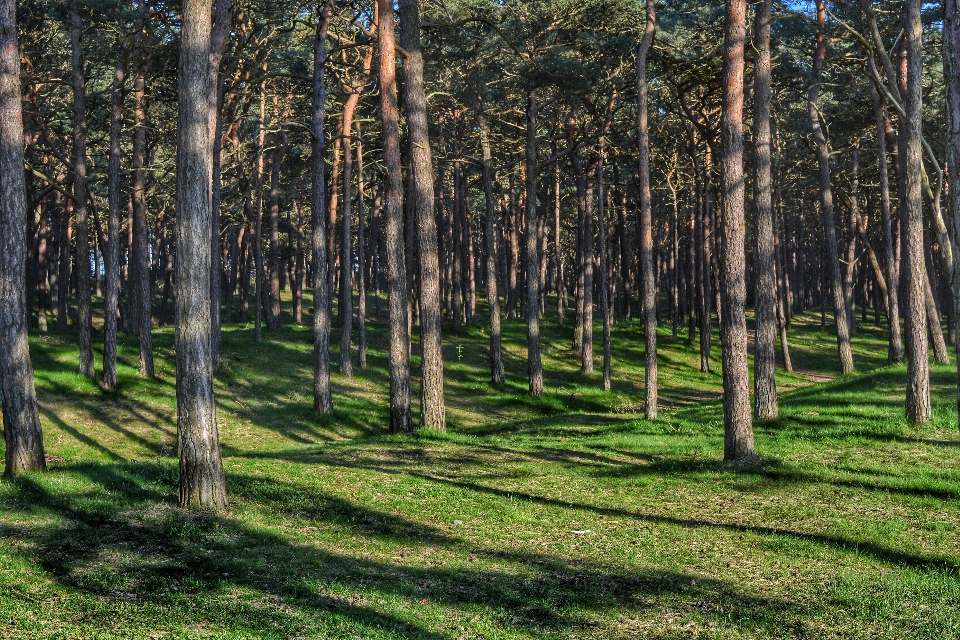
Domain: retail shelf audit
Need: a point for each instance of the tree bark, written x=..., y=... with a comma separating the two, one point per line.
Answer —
x=220, y=38
x=764, y=377
x=826, y=197
x=202, y=481
x=534, y=366
x=84, y=313
x=918, y=364
x=361, y=259
x=400, y=418
x=895, y=350
x=738, y=424
x=140, y=292
x=951, y=74
x=493, y=297
x=432, y=411
x=322, y=397
x=112, y=262
x=646, y=222
x=21, y=422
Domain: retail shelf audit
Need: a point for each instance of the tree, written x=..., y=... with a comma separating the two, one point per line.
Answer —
x=737, y=419
x=322, y=399
x=112, y=263
x=826, y=195
x=646, y=221
x=914, y=267
x=21, y=422
x=400, y=420
x=951, y=73
x=764, y=378
x=534, y=365
x=202, y=481
x=432, y=412
x=80, y=195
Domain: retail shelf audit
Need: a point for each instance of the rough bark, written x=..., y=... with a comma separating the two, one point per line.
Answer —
x=21, y=423
x=432, y=411
x=764, y=377
x=140, y=292
x=895, y=350
x=220, y=38
x=951, y=74
x=112, y=261
x=826, y=196
x=202, y=481
x=738, y=423
x=84, y=313
x=322, y=398
x=914, y=267
x=400, y=419
x=534, y=365
x=361, y=259
x=646, y=222
x=493, y=297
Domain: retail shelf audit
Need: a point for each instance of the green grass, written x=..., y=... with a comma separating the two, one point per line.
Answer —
x=566, y=516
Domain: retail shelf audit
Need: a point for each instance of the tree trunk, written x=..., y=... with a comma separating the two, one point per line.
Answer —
x=140, y=292
x=219, y=40
x=951, y=74
x=202, y=481
x=764, y=377
x=322, y=399
x=646, y=222
x=738, y=426
x=604, y=269
x=361, y=259
x=493, y=298
x=112, y=262
x=534, y=366
x=273, y=217
x=826, y=197
x=918, y=364
x=21, y=423
x=80, y=198
x=895, y=350
x=400, y=419
x=432, y=411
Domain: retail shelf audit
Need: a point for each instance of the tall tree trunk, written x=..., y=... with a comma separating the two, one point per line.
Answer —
x=322, y=399
x=918, y=365
x=738, y=425
x=561, y=286
x=534, y=366
x=273, y=215
x=493, y=298
x=432, y=411
x=951, y=74
x=826, y=196
x=400, y=419
x=80, y=196
x=21, y=422
x=764, y=377
x=605, y=308
x=646, y=222
x=895, y=350
x=202, y=481
x=220, y=38
x=140, y=291
x=361, y=258
x=43, y=268
x=112, y=262
x=586, y=348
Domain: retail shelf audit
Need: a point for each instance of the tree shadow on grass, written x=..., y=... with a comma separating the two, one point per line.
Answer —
x=136, y=555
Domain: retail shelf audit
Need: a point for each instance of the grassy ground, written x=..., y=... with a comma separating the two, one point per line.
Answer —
x=568, y=516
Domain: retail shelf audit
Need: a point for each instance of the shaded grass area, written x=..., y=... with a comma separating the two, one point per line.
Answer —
x=565, y=516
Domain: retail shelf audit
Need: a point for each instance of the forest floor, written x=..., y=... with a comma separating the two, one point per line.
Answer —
x=565, y=516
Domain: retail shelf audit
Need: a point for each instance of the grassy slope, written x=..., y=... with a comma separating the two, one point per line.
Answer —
x=567, y=516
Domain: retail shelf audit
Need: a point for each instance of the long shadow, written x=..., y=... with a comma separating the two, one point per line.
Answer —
x=878, y=552
x=85, y=439
x=170, y=559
